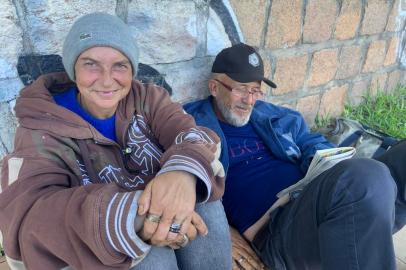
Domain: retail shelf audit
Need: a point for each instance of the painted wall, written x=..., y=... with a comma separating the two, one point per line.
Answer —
x=321, y=53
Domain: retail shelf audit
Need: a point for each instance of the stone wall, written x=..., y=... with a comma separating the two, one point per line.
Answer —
x=321, y=53
x=325, y=53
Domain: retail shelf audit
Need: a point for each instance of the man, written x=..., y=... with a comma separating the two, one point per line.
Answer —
x=344, y=219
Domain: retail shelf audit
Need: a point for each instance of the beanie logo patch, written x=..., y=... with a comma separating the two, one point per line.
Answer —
x=85, y=36
x=253, y=59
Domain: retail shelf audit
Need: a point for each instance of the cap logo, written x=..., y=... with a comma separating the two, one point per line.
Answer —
x=85, y=36
x=253, y=59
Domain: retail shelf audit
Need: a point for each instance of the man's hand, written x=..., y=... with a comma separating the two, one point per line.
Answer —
x=171, y=197
x=243, y=255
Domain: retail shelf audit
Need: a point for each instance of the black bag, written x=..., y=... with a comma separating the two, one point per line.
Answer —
x=368, y=142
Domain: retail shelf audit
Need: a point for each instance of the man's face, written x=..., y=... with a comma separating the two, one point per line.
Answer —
x=231, y=106
x=103, y=77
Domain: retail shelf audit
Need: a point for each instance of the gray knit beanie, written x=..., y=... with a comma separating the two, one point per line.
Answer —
x=98, y=29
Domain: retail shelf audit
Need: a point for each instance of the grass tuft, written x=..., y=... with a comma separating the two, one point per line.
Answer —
x=385, y=112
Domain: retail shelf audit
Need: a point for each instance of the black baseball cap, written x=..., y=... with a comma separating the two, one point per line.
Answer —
x=241, y=63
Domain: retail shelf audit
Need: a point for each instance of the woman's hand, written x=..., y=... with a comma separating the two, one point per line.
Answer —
x=170, y=198
x=197, y=227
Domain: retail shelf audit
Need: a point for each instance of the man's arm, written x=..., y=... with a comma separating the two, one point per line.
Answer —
x=308, y=142
x=250, y=233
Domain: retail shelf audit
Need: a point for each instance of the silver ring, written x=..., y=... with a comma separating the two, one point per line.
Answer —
x=153, y=218
x=175, y=227
x=241, y=259
x=184, y=241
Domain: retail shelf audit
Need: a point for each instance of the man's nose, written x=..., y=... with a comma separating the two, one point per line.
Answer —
x=249, y=99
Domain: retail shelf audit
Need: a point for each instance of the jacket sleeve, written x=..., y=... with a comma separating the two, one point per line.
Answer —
x=308, y=142
x=48, y=221
x=187, y=147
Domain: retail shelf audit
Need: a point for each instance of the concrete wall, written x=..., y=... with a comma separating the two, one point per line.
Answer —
x=321, y=53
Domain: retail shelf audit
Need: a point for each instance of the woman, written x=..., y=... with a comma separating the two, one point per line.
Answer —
x=105, y=167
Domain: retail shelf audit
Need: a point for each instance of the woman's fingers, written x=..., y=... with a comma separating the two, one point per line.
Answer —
x=199, y=224
x=173, y=197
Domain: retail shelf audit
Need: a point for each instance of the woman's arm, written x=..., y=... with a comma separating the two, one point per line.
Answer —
x=48, y=221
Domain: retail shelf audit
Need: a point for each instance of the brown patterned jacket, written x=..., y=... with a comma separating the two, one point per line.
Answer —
x=68, y=195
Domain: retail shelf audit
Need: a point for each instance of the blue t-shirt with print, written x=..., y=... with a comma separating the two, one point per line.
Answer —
x=68, y=100
x=254, y=177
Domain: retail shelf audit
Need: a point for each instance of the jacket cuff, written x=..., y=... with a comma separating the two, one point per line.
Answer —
x=184, y=163
x=120, y=225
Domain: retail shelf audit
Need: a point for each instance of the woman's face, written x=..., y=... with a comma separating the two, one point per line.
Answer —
x=103, y=77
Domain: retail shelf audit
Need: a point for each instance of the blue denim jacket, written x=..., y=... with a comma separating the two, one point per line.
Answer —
x=283, y=131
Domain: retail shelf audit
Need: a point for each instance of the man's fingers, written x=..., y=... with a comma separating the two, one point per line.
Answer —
x=252, y=262
x=145, y=200
x=198, y=222
x=245, y=259
x=235, y=266
x=245, y=264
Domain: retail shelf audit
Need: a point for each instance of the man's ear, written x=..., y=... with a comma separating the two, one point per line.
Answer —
x=213, y=87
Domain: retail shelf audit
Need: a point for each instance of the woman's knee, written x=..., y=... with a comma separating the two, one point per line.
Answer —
x=158, y=258
x=215, y=218
x=215, y=246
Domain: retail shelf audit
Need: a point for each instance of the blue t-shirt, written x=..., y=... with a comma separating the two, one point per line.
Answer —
x=68, y=99
x=254, y=177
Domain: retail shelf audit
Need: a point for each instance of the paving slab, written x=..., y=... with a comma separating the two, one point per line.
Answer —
x=3, y=264
x=399, y=240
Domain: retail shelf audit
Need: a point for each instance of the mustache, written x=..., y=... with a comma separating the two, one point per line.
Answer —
x=244, y=107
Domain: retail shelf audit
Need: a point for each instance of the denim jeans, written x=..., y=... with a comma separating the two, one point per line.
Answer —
x=204, y=253
x=344, y=219
x=394, y=158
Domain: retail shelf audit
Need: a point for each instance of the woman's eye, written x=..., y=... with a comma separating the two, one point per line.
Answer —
x=122, y=67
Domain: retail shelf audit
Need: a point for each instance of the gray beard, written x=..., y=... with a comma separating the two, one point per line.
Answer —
x=230, y=117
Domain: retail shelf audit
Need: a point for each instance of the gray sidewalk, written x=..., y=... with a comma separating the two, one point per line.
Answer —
x=399, y=241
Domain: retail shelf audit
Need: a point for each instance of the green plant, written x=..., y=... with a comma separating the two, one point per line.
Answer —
x=321, y=121
x=385, y=112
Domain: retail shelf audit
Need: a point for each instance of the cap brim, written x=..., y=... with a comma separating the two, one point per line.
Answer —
x=269, y=82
